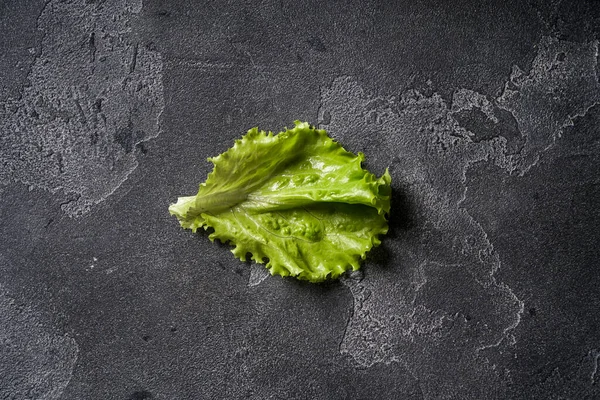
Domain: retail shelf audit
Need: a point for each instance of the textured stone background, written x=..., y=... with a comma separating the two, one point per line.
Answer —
x=486, y=112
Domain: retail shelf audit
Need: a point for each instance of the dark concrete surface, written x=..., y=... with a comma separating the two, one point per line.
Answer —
x=486, y=112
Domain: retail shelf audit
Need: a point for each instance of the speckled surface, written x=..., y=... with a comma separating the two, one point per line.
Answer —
x=486, y=113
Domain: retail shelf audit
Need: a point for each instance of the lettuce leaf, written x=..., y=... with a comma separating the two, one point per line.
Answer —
x=296, y=200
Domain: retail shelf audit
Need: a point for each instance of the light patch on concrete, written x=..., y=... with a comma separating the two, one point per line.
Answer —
x=561, y=86
x=35, y=362
x=95, y=94
x=428, y=153
x=258, y=273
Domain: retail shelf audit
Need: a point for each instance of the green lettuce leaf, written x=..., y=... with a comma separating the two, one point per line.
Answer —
x=296, y=200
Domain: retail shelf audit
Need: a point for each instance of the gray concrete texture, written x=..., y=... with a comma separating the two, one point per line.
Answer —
x=485, y=112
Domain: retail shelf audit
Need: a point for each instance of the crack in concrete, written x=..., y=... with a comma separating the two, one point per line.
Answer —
x=595, y=355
